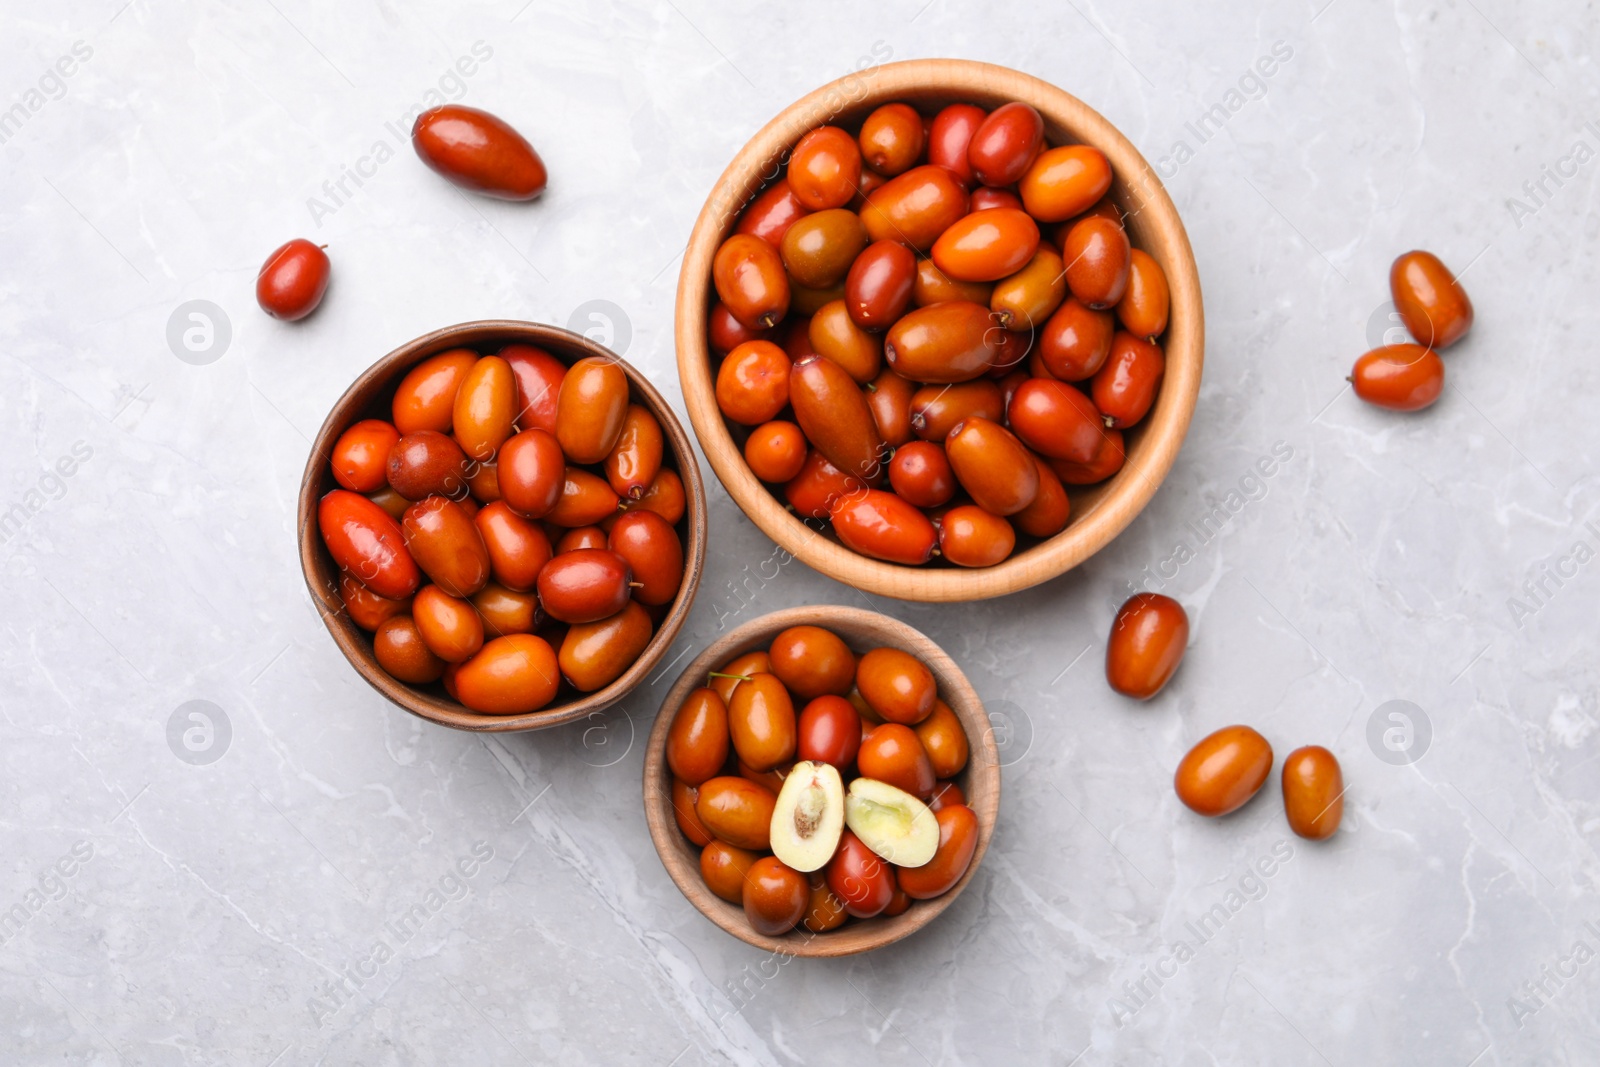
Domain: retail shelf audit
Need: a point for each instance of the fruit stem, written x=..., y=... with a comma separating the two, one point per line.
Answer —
x=719, y=674
x=635, y=585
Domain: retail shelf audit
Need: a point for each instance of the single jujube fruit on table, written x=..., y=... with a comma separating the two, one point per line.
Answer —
x=1313, y=792
x=1429, y=299
x=1223, y=771
x=477, y=151
x=1148, y=639
x=1399, y=377
x=292, y=280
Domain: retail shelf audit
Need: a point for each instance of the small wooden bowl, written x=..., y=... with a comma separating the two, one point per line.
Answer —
x=861, y=630
x=1099, y=512
x=371, y=397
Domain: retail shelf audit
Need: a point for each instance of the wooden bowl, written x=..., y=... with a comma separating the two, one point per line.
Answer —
x=861, y=630
x=1099, y=512
x=371, y=397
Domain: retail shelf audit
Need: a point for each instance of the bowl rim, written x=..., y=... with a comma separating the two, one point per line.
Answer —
x=355, y=643
x=680, y=857
x=1159, y=231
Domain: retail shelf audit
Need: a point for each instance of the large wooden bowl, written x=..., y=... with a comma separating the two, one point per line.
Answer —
x=1099, y=512
x=862, y=631
x=371, y=397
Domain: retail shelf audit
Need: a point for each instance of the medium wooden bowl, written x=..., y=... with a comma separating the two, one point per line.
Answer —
x=1099, y=512
x=861, y=630
x=371, y=397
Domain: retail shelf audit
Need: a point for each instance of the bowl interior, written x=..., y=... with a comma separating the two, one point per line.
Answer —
x=371, y=396
x=1099, y=512
x=861, y=630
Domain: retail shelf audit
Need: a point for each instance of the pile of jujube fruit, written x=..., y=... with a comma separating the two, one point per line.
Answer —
x=818, y=785
x=932, y=327
x=511, y=531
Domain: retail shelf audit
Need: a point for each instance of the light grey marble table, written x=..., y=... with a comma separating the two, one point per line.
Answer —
x=324, y=879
